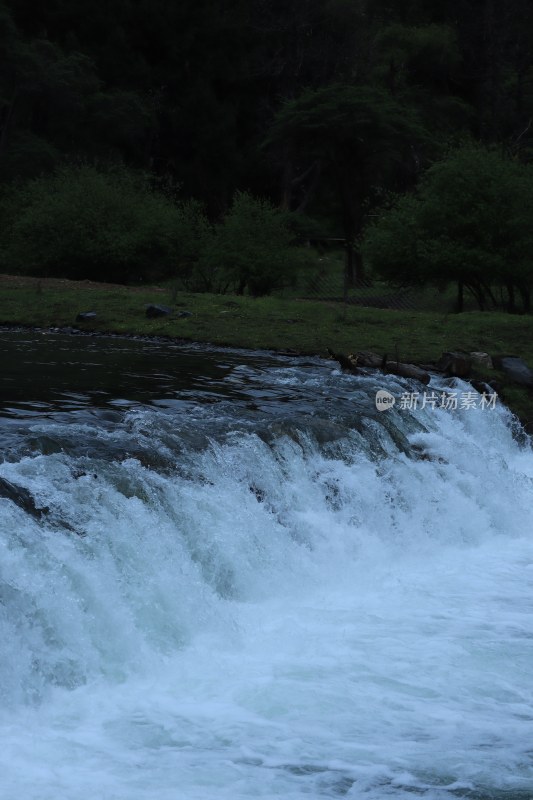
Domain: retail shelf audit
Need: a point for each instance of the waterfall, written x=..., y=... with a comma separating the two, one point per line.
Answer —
x=268, y=589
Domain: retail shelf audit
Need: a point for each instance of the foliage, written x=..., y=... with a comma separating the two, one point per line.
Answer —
x=360, y=135
x=354, y=97
x=421, y=65
x=469, y=222
x=85, y=222
x=251, y=249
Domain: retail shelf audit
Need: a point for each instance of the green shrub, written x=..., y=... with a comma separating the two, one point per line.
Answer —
x=469, y=221
x=86, y=222
x=252, y=249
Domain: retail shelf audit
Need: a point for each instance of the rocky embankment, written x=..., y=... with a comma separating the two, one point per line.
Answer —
x=486, y=373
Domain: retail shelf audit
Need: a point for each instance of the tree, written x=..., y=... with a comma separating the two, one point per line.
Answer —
x=358, y=134
x=496, y=41
x=421, y=66
x=353, y=95
x=468, y=222
x=251, y=249
x=84, y=222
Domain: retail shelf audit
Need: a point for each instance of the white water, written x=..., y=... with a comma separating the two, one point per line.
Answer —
x=273, y=620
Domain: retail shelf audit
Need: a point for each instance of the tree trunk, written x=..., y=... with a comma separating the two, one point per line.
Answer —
x=477, y=292
x=308, y=191
x=511, y=304
x=525, y=294
x=359, y=275
x=6, y=115
x=460, y=297
x=286, y=187
x=351, y=222
x=491, y=296
x=349, y=268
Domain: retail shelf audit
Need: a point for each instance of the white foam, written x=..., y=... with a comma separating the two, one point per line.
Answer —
x=273, y=621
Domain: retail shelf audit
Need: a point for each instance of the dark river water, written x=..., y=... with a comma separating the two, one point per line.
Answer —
x=225, y=574
x=46, y=372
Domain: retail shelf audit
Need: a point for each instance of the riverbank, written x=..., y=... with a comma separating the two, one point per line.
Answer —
x=271, y=323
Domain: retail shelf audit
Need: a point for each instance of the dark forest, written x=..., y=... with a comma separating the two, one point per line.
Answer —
x=155, y=133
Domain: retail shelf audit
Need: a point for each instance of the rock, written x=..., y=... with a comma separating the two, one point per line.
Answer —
x=184, y=314
x=407, y=371
x=482, y=387
x=422, y=454
x=21, y=497
x=482, y=358
x=259, y=493
x=366, y=359
x=347, y=363
x=457, y=365
x=86, y=316
x=153, y=311
x=352, y=362
x=515, y=369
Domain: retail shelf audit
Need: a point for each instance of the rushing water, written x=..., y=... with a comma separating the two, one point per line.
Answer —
x=226, y=575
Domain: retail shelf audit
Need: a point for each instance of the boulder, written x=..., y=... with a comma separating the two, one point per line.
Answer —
x=351, y=364
x=86, y=316
x=367, y=359
x=184, y=314
x=515, y=369
x=407, y=371
x=21, y=497
x=482, y=387
x=347, y=363
x=456, y=365
x=483, y=359
x=153, y=311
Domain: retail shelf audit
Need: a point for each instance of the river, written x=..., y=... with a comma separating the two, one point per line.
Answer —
x=226, y=574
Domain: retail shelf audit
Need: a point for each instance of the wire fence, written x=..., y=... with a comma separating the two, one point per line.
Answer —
x=366, y=292
x=325, y=281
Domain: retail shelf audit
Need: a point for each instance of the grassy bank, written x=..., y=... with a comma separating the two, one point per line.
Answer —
x=305, y=326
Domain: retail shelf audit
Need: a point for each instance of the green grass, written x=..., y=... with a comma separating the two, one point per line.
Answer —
x=305, y=326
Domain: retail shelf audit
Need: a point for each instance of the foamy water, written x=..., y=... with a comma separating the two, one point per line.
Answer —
x=280, y=603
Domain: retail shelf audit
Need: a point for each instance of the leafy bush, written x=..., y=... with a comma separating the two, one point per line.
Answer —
x=85, y=222
x=469, y=222
x=251, y=249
